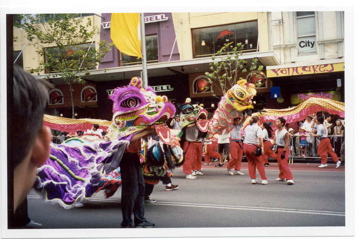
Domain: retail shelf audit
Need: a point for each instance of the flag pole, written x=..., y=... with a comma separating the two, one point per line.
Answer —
x=143, y=51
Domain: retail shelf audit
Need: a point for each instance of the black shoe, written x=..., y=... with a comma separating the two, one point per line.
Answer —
x=145, y=224
x=33, y=224
x=219, y=165
x=128, y=226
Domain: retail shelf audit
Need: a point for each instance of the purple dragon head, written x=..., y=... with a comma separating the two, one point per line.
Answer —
x=135, y=106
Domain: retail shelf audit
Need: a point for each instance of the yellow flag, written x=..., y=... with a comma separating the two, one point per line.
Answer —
x=125, y=33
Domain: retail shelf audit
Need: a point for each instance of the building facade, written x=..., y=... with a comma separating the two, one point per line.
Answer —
x=302, y=54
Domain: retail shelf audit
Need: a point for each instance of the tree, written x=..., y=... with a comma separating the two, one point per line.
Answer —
x=227, y=67
x=66, y=44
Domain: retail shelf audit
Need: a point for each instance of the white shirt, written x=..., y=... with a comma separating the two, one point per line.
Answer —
x=280, y=137
x=321, y=131
x=97, y=132
x=235, y=132
x=224, y=137
x=307, y=125
x=191, y=133
x=251, y=134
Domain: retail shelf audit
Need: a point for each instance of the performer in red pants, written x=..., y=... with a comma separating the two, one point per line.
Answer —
x=324, y=147
x=236, y=148
x=282, y=141
x=252, y=139
x=268, y=152
x=211, y=151
x=192, y=148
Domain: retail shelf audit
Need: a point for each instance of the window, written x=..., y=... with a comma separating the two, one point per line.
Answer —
x=89, y=94
x=70, y=57
x=207, y=41
x=306, y=32
x=151, y=52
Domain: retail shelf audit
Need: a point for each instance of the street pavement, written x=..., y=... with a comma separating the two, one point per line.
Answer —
x=218, y=200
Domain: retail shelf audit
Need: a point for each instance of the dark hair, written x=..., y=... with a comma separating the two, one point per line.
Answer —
x=282, y=120
x=96, y=126
x=268, y=128
x=30, y=97
x=320, y=119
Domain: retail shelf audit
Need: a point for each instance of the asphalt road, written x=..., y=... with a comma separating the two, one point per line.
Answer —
x=217, y=201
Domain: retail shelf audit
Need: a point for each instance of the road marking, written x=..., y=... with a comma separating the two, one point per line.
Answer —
x=215, y=206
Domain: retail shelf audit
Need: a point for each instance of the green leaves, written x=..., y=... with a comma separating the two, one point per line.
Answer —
x=66, y=42
x=227, y=68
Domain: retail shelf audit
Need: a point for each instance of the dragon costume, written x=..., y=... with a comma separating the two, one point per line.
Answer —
x=80, y=167
x=232, y=104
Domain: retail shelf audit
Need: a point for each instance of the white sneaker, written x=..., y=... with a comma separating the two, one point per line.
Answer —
x=193, y=173
x=264, y=182
x=239, y=172
x=323, y=165
x=198, y=173
x=338, y=164
x=280, y=179
x=254, y=181
x=230, y=171
x=290, y=182
x=190, y=176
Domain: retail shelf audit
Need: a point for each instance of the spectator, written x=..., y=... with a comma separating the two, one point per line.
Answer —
x=338, y=132
x=302, y=134
x=327, y=124
x=253, y=139
x=95, y=130
x=29, y=144
x=307, y=125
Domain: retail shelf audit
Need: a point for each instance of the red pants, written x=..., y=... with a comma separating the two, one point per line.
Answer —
x=325, y=148
x=211, y=152
x=193, y=157
x=254, y=162
x=235, y=161
x=268, y=152
x=283, y=164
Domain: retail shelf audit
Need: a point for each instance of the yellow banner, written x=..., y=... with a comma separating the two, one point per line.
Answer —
x=125, y=33
x=306, y=70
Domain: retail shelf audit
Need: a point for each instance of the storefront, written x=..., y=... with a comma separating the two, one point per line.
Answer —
x=293, y=85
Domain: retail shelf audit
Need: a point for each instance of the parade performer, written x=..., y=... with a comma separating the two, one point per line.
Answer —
x=282, y=141
x=324, y=147
x=252, y=141
x=79, y=168
x=236, y=148
x=267, y=141
x=194, y=128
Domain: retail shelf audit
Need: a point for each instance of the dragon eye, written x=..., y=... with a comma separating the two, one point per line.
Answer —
x=241, y=95
x=130, y=102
